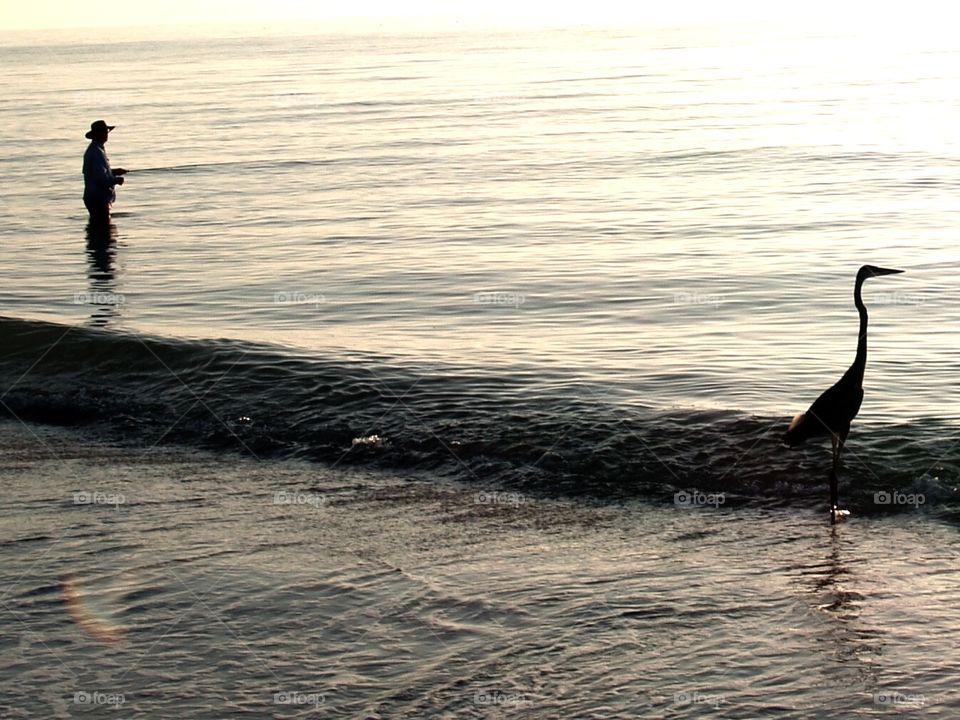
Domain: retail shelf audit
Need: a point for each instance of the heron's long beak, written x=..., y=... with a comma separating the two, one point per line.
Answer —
x=883, y=271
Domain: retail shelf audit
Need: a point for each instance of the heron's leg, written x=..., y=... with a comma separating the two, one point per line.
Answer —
x=834, y=490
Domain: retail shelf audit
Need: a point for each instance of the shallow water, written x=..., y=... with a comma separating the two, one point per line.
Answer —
x=195, y=592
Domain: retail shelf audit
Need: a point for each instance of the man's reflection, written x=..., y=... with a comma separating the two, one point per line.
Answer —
x=102, y=297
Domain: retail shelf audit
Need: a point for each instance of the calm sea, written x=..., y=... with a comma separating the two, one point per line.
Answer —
x=581, y=265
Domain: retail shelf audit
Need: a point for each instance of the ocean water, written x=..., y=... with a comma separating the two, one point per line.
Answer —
x=587, y=273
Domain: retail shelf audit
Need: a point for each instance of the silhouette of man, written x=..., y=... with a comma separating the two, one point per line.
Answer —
x=98, y=179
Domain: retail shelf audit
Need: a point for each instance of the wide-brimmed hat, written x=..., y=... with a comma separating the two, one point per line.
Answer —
x=98, y=127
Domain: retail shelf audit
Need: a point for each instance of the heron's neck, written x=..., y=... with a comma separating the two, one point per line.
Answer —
x=860, y=363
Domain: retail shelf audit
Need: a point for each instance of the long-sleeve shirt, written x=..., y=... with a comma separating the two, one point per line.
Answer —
x=98, y=178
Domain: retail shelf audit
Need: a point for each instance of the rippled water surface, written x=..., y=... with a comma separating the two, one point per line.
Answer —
x=494, y=335
x=681, y=211
x=199, y=594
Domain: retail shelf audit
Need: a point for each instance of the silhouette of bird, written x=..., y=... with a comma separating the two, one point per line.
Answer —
x=832, y=412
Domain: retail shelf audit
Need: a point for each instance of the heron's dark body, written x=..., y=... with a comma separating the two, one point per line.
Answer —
x=831, y=413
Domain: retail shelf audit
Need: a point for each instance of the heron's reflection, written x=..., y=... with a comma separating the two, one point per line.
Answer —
x=851, y=646
x=102, y=297
x=843, y=602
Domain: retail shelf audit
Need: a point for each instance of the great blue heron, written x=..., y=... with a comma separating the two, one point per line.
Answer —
x=832, y=412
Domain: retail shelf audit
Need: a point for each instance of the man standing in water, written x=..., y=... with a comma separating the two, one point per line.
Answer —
x=98, y=179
